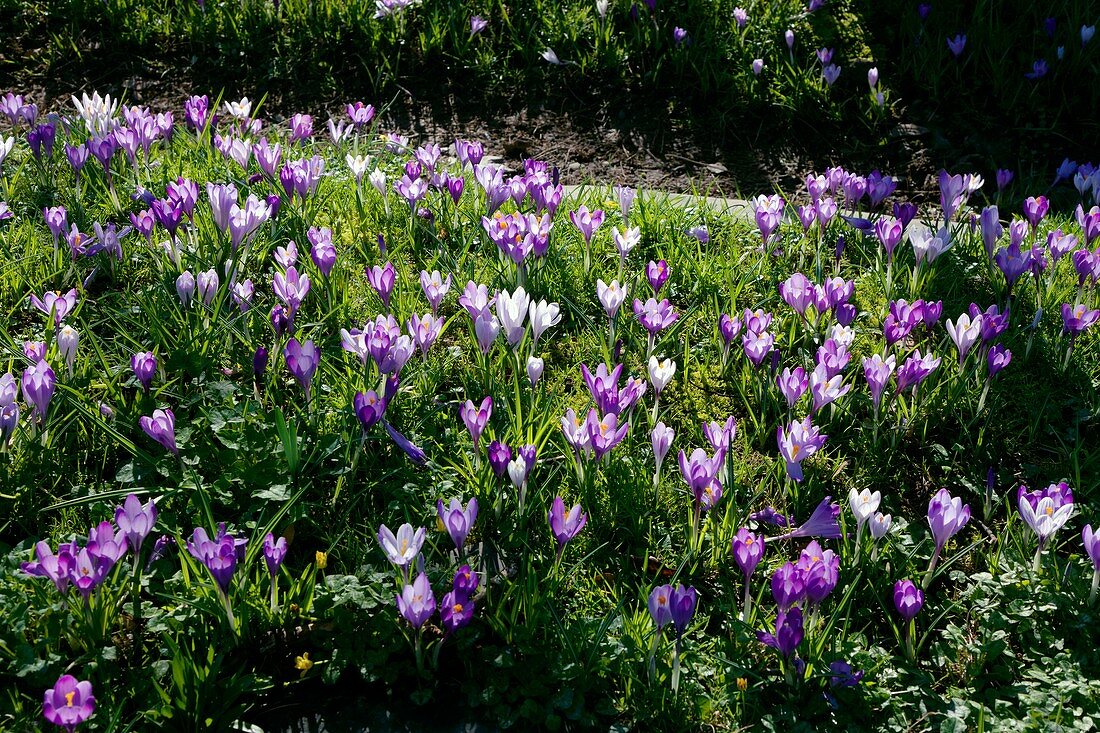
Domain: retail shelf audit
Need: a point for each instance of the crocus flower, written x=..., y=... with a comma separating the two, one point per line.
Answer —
x=797, y=442
x=477, y=25
x=956, y=45
x=825, y=388
x=208, y=285
x=39, y=383
x=435, y=287
x=55, y=305
x=946, y=516
x=822, y=523
x=369, y=408
x=997, y=359
x=58, y=568
x=661, y=437
x=456, y=611
x=1092, y=549
x=660, y=605
x=382, y=279
x=69, y=702
x=1045, y=511
x=655, y=316
x=535, y=365
x=476, y=418
x=880, y=525
x=748, y=550
x=401, y=549
x=565, y=525
x=301, y=362
x=788, y=632
x=144, y=365
x=682, y=604
x=1077, y=318
x=611, y=296
x=656, y=273
x=136, y=521
x=587, y=222
x=820, y=572
x=415, y=453
x=416, y=602
x=788, y=586
x=500, y=455
x=457, y=521
x=908, y=599
x=219, y=555
x=661, y=373
x=864, y=504
x=965, y=333
x=161, y=427
x=274, y=553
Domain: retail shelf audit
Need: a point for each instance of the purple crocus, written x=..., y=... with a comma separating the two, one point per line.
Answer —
x=136, y=521
x=412, y=450
x=220, y=555
x=69, y=702
x=657, y=274
x=369, y=408
x=908, y=599
x=822, y=523
x=382, y=279
x=655, y=316
x=301, y=361
x=161, y=427
x=788, y=632
x=565, y=525
x=274, y=553
x=587, y=222
x=946, y=516
x=456, y=610
x=457, y=521
x=1091, y=541
x=476, y=418
x=416, y=602
x=1077, y=318
x=748, y=550
x=55, y=305
x=797, y=442
x=58, y=568
x=144, y=364
x=39, y=383
x=956, y=45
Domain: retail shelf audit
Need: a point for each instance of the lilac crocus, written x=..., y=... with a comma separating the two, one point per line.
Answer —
x=161, y=427
x=565, y=525
x=657, y=274
x=301, y=361
x=797, y=442
x=69, y=702
x=748, y=550
x=788, y=632
x=587, y=222
x=956, y=45
x=274, y=553
x=946, y=516
x=458, y=521
x=1091, y=541
x=219, y=555
x=415, y=453
x=661, y=437
x=55, y=305
x=39, y=383
x=655, y=316
x=416, y=602
x=144, y=366
x=135, y=520
x=58, y=568
x=1077, y=318
x=822, y=523
x=476, y=418
x=1045, y=511
x=965, y=332
x=382, y=280
x=908, y=599
x=877, y=371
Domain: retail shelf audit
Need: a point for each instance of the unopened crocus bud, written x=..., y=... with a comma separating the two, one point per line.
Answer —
x=872, y=76
x=535, y=366
x=67, y=341
x=259, y=362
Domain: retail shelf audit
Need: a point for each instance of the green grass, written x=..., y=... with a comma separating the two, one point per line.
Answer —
x=1004, y=646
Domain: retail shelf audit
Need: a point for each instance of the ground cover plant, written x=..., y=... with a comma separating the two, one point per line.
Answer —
x=308, y=413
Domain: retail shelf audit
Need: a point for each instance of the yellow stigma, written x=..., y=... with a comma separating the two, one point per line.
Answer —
x=1050, y=510
x=457, y=608
x=69, y=698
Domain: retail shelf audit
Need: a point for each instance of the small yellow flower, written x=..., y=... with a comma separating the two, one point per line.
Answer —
x=322, y=560
x=742, y=684
x=303, y=663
